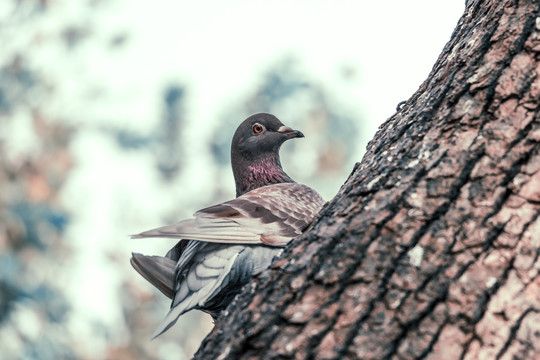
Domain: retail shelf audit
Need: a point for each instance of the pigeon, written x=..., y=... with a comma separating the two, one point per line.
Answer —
x=224, y=245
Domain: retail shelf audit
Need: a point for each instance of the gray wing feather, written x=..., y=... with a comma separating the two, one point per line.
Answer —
x=159, y=271
x=279, y=212
x=235, y=264
x=199, y=278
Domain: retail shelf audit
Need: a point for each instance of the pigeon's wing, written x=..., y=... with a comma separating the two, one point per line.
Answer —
x=206, y=269
x=209, y=270
x=270, y=215
x=275, y=213
x=225, y=231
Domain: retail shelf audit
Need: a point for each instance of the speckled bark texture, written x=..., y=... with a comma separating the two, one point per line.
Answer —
x=431, y=248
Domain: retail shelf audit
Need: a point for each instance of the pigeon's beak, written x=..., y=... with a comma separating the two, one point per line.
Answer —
x=290, y=133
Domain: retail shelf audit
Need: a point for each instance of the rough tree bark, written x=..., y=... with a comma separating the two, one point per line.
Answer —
x=431, y=247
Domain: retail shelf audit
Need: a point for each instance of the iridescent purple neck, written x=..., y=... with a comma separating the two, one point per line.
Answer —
x=264, y=172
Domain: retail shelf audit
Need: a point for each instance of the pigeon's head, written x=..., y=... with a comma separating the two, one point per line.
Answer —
x=255, y=152
x=261, y=135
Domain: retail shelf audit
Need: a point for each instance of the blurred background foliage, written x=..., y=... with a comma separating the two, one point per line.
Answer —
x=111, y=123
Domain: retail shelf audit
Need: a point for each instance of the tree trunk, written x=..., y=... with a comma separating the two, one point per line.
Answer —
x=431, y=247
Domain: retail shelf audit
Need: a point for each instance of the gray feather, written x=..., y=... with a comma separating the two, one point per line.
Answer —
x=159, y=271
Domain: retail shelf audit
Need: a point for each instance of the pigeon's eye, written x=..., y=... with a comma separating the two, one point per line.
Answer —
x=258, y=128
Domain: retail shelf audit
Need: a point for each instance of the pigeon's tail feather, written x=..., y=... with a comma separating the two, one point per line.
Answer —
x=169, y=320
x=159, y=271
